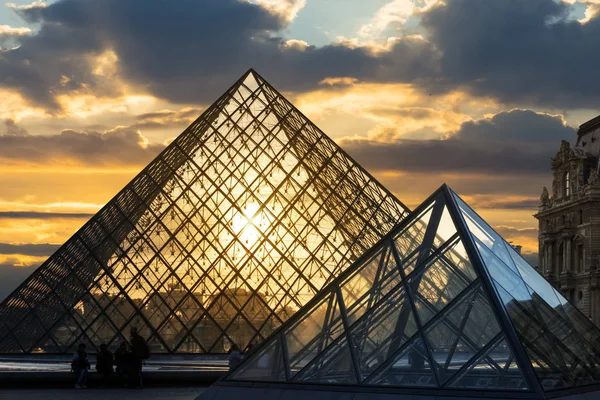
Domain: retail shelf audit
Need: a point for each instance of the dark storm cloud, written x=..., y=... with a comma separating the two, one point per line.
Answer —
x=518, y=126
x=509, y=143
x=187, y=51
x=41, y=215
x=525, y=51
x=29, y=249
x=446, y=156
x=117, y=147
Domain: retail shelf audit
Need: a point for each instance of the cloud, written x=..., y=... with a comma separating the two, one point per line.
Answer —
x=12, y=129
x=396, y=12
x=39, y=4
x=121, y=146
x=9, y=32
x=509, y=143
x=505, y=202
x=41, y=215
x=166, y=118
x=285, y=9
x=518, y=126
x=30, y=249
x=171, y=48
x=526, y=52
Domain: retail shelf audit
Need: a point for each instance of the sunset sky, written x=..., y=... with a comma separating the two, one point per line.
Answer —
x=477, y=94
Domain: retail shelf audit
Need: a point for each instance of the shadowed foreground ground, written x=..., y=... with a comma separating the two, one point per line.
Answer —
x=101, y=394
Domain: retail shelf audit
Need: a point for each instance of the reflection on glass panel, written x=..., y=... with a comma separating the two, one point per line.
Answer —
x=509, y=279
x=386, y=328
x=534, y=280
x=411, y=238
x=480, y=325
x=264, y=365
x=410, y=263
x=446, y=228
x=546, y=354
x=586, y=329
x=410, y=368
x=495, y=369
x=384, y=279
x=484, y=233
x=334, y=365
x=313, y=333
x=450, y=346
x=355, y=288
x=439, y=283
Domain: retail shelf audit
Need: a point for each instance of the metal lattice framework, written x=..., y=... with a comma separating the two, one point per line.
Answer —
x=442, y=304
x=229, y=231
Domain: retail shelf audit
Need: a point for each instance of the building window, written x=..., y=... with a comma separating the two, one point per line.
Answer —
x=567, y=184
x=580, y=258
x=579, y=296
x=580, y=217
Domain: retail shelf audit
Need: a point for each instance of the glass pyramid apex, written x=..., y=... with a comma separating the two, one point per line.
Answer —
x=231, y=229
x=442, y=304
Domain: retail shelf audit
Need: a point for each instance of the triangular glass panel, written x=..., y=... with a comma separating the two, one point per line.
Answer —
x=441, y=281
x=264, y=365
x=409, y=368
x=388, y=326
x=494, y=369
x=334, y=365
x=314, y=332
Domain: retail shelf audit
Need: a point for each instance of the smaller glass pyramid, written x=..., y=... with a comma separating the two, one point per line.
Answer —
x=442, y=303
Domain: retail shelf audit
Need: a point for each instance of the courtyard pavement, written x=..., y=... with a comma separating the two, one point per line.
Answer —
x=188, y=393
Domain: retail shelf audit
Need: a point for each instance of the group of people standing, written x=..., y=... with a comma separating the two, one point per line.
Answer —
x=127, y=362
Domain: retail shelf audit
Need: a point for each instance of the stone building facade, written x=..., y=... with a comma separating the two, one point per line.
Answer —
x=569, y=222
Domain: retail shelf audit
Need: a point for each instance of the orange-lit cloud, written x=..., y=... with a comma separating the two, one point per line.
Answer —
x=121, y=146
x=390, y=111
x=56, y=230
x=21, y=260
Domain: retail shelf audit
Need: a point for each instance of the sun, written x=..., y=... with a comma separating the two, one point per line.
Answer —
x=246, y=225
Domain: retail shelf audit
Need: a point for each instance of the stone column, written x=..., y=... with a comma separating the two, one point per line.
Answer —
x=568, y=255
x=549, y=259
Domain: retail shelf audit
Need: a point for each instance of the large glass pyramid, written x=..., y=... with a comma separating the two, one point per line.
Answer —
x=442, y=304
x=237, y=224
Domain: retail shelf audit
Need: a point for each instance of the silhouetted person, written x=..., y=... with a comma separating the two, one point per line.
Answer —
x=235, y=357
x=104, y=363
x=124, y=361
x=80, y=366
x=140, y=352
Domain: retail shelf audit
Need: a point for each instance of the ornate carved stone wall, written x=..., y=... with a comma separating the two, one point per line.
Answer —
x=569, y=224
